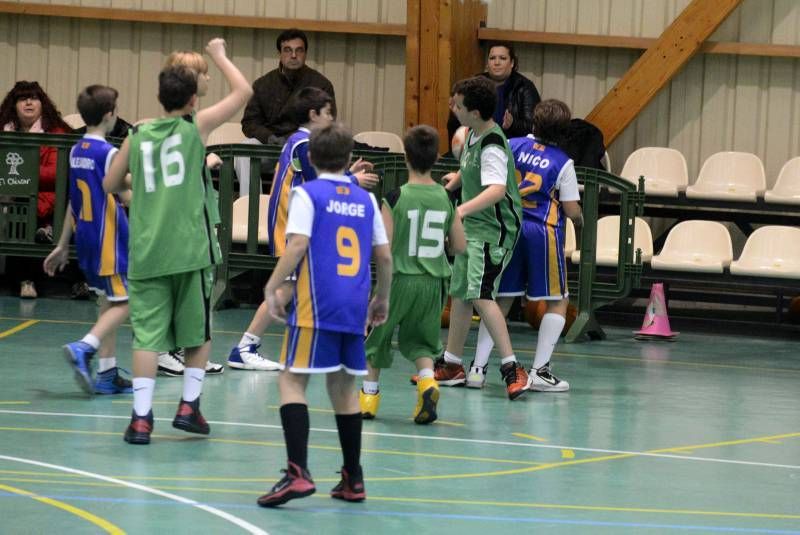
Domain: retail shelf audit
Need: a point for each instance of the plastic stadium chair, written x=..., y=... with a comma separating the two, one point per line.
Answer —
x=703, y=246
x=734, y=176
x=570, y=243
x=608, y=241
x=770, y=251
x=239, y=220
x=74, y=120
x=381, y=139
x=787, y=187
x=664, y=170
x=226, y=133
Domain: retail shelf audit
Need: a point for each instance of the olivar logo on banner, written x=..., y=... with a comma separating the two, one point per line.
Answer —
x=14, y=160
x=19, y=174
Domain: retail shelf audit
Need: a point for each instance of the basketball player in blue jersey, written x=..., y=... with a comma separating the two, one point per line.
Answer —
x=549, y=191
x=334, y=230
x=311, y=109
x=101, y=241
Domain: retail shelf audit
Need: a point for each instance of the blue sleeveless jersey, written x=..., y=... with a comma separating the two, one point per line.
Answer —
x=333, y=279
x=539, y=166
x=101, y=234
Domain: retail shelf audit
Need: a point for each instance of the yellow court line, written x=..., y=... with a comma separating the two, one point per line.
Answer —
x=107, y=526
x=18, y=328
x=531, y=437
x=434, y=501
x=15, y=402
x=567, y=454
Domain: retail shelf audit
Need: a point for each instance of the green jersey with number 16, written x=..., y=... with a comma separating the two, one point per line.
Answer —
x=421, y=218
x=171, y=214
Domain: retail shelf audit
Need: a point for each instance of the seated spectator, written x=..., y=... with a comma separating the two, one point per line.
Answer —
x=27, y=108
x=268, y=116
x=517, y=96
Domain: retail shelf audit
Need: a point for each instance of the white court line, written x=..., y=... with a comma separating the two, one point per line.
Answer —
x=250, y=528
x=441, y=439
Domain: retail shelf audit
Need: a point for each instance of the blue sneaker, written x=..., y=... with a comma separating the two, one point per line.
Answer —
x=111, y=382
x=79, y=356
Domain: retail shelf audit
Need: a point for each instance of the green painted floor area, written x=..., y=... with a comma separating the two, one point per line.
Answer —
x=699, y=435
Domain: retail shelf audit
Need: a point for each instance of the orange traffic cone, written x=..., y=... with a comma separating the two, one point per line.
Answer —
x=656, y=323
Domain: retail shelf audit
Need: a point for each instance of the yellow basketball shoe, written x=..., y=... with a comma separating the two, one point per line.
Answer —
x=427, y=398
x=369, y=404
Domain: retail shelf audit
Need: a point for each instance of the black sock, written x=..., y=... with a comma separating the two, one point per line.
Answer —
x=349, y=426
x=294, y=418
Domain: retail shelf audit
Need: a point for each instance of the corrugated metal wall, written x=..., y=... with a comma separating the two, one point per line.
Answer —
x=64, y=55
x=718, y=102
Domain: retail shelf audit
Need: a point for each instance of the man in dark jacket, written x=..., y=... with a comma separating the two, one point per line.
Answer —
x=268, y=118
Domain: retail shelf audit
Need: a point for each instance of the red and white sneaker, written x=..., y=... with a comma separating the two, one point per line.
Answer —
x=446, y=373
x=516, y=379
x=296, y=483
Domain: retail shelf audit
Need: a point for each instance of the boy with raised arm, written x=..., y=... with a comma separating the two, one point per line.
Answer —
x=173, y=243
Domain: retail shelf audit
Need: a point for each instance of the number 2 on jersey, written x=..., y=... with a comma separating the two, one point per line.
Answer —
x=347, y=247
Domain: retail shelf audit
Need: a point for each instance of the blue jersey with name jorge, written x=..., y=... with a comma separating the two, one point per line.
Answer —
x=333, y=279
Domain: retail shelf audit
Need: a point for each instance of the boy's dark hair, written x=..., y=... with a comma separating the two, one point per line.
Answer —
x=329, y=148
x=508, y=46
x=551, y=120
x=95, y=101
x=176, y=86
x=479, y=94
x=309, y=98
x=288, y=35
x=422, y=148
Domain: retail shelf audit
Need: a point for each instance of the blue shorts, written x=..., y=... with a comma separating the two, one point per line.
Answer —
x=113, y=287
x=309, y=350
x=537, y=268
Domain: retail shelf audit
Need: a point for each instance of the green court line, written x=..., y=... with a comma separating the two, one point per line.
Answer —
x=103, y=524
x=469, y=503
x=18, y=328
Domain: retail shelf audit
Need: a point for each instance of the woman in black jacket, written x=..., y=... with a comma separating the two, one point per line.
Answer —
x=517, y=96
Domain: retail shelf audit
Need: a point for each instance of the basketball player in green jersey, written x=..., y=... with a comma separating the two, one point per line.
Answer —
x=492, y=213
x=418, y=217
x=173, y=246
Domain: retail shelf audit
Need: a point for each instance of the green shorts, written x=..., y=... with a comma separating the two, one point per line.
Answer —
x=171, y=311
x=415, y=304
x=476, y=272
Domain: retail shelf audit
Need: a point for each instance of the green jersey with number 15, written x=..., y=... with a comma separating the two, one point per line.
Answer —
x=171, y=215
x=421, y=218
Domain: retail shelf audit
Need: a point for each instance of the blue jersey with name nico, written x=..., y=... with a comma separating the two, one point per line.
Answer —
x=539, y=167
x=101, y=233
x=333, y=279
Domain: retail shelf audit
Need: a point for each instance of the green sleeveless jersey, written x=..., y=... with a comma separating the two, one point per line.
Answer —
x=497, y=224
x=421, y=218
x=172, y=214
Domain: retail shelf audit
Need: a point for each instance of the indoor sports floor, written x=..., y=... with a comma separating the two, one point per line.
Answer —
x=700, y=435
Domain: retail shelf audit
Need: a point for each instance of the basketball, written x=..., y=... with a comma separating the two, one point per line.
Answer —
x=457, y=143
x=535, y=310
x=446, y=315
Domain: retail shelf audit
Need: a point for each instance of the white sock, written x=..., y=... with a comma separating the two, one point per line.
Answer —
x=143, y=395
x=192, y=383
x=249, y=339
x=452, y=359
x=105, y=364
x=549, y=331
x=484, y=346
x=370, y=387
x=92, y=340
x=506, y=360
x=425, y=372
